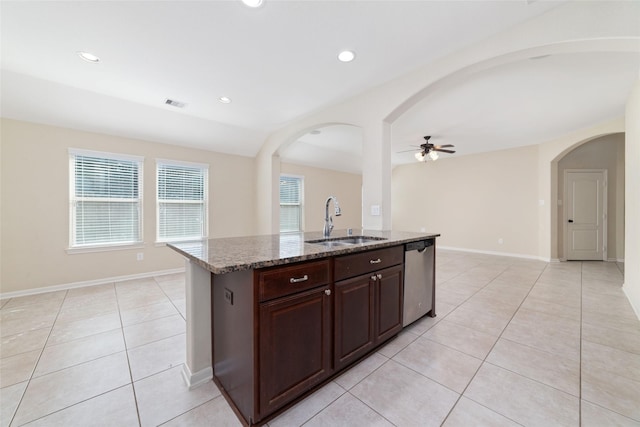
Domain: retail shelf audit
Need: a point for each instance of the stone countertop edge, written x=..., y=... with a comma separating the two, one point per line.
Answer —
x=226, y=255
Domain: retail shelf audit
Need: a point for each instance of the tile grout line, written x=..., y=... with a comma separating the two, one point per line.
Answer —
x=484, y=360
x=13, y=416
x=220, y=396
x=170, y=299
x=126, y=352
x=356, y=397
x=580, y=366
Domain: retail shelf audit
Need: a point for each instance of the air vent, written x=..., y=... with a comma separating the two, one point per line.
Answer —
x=175, y=103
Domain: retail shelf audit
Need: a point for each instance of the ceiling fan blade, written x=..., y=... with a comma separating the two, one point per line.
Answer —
x=444, y=146
x=444, y=151
x=406, y=151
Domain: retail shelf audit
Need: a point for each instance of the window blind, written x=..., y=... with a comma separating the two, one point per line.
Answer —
x=290, y=203
x=106, y=199
x=182, y=201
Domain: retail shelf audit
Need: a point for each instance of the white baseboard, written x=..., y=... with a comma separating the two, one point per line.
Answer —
x=95, y=282
x=508, y=254
x=195, y=380
x=635, y=309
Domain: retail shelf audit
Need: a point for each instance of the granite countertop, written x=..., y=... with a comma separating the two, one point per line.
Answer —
x=225, y=255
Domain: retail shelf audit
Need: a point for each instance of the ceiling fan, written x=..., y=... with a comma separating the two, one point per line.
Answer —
x=429, y=151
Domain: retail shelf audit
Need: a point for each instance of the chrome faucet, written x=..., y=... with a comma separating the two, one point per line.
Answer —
x=328, y=221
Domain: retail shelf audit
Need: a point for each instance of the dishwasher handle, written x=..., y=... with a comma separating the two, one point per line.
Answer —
x=420, y=245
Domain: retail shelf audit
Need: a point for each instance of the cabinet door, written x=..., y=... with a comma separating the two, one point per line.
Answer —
x=295, y=346
x=354, y=319
x=389, y=301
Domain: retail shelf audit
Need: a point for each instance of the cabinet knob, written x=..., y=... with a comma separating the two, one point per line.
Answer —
x=379, y=275
x=327, y=291
x=374, y=278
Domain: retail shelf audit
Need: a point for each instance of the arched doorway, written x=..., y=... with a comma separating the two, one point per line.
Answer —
x=324, y=161
x=605, y=152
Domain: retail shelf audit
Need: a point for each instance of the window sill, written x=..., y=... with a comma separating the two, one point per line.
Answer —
x=166, y=242
x=90, y=249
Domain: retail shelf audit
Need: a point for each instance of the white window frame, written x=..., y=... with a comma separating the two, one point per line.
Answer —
x=301, y=203
x=205, y=201
x=73, y=201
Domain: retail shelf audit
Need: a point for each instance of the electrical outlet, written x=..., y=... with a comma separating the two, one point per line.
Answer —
x=140, y=256
x=228, y=295
x=375, y=210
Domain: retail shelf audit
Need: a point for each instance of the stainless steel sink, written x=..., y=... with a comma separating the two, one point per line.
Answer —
x=345, y=241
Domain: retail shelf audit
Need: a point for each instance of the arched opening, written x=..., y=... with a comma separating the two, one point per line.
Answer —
x=556, y=139
x=607, y=153
x=326, y=160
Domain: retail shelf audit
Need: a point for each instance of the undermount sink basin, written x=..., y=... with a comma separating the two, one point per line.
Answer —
x=345, y=241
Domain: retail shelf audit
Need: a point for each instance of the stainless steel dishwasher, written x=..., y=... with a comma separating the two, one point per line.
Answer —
x=419, y=277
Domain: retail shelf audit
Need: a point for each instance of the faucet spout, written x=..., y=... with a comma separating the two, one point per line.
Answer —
x=328, y=220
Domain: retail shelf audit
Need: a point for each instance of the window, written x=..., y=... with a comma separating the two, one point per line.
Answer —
x=105, y=199
x=290, y=203
x=182, y=201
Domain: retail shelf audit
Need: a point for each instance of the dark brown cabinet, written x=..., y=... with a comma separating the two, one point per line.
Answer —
x=295, y=346
x=389, y=287
x=354, y=319
x=368, y=307
x=280, y=331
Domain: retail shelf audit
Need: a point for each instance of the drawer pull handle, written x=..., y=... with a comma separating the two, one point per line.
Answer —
x=299, y=279
x=375, y=261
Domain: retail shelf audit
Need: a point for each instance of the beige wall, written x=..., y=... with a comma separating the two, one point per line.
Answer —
x=35, y=208
x=606, y=152
x=632, y=200
x=549, y=153
x=322, y=183
x=472, y=201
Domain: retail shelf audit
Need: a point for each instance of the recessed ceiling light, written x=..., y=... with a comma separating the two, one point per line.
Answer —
x=253, y=3
x=89, y=57
x=225, y=100
x=346, y=56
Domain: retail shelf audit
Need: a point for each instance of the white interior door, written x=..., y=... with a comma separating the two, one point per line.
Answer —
x=586, y=214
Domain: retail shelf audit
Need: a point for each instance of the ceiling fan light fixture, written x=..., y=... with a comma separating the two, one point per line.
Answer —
x=420, y=156
x=433, y=155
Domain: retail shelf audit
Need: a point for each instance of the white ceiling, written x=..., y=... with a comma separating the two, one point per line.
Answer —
x=278, y=63
x=522, y=103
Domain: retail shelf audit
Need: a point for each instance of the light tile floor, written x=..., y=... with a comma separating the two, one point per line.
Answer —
x=515, y=342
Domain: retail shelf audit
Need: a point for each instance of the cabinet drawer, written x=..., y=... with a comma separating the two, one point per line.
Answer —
x=353, y=265
x=280, y=281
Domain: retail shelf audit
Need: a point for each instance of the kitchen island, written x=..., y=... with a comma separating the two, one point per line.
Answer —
x=269, y=318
